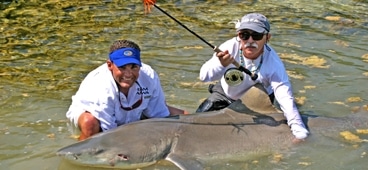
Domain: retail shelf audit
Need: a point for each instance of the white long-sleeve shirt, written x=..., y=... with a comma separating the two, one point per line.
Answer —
x=99, y=95
x=271, y=74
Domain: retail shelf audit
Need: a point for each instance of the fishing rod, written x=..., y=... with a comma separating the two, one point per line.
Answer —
x=148, y=3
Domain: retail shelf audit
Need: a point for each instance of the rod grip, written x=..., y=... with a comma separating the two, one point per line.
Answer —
x=238, y=66
x=217, y=50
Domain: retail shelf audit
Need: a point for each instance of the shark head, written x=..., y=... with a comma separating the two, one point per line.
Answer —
x=102, y=157
x=122, y=151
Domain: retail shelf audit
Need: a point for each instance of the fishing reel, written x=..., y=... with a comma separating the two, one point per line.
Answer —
x=233, y=76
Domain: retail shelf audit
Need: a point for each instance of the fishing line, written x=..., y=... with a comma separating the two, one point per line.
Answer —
x=147, y=4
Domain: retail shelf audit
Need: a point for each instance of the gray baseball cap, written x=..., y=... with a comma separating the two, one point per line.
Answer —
x=254, y=21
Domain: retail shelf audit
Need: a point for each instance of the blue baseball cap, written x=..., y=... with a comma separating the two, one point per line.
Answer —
x=254, y=21
x=124, y=56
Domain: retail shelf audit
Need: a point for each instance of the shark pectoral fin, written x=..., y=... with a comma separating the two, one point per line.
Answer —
x=184, y=163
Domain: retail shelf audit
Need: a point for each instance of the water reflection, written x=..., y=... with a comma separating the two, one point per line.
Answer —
x=48, y=46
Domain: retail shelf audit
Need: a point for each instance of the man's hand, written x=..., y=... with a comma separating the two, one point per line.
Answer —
x=296, y=140
x=299, y=131
x=225, y=58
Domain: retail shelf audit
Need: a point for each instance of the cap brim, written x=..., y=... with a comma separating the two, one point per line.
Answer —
x=125, y=61
x=251, y=26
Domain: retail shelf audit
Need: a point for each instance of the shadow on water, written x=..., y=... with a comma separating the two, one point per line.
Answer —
x=48, y=46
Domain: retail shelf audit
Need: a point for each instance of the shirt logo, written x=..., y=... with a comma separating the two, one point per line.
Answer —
x=143, y=90
x=251, y=20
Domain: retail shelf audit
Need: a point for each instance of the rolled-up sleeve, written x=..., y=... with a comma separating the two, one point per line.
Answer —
x=95, y=95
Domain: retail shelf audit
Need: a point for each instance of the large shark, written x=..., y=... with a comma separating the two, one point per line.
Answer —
x=250, y=126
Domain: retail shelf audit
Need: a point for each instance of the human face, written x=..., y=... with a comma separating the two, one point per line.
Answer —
x=252, y=43
x=125, y=76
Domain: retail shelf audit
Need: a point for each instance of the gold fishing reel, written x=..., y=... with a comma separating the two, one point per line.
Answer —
x=233, y=77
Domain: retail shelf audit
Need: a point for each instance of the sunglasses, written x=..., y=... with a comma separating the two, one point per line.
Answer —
x=255, y=35
x=136, y=104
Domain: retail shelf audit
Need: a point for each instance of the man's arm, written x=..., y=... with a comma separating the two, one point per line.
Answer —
x=175, y=111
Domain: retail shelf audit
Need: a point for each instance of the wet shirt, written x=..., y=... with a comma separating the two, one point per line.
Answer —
x=99, y=95
x=271, y=73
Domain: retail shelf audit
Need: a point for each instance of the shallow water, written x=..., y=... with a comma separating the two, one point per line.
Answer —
x=48, y=46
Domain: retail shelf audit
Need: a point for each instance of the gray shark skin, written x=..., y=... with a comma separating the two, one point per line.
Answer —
x=250, y=126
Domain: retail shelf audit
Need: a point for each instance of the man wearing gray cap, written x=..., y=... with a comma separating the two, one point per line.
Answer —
x=250, y=49
x=120, y=91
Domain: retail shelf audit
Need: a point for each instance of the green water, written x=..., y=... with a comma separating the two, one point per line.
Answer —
x=48, y=46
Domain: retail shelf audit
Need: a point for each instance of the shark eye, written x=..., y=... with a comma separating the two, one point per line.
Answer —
x=123, y=157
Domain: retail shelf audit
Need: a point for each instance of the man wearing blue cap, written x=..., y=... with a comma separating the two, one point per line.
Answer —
x=250, y=49
x=120, y=91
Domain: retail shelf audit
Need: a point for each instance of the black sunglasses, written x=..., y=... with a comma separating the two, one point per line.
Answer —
x=255, y=35
x=136, y=104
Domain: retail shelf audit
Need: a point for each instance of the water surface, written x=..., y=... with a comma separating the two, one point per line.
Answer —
x=48, y=46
